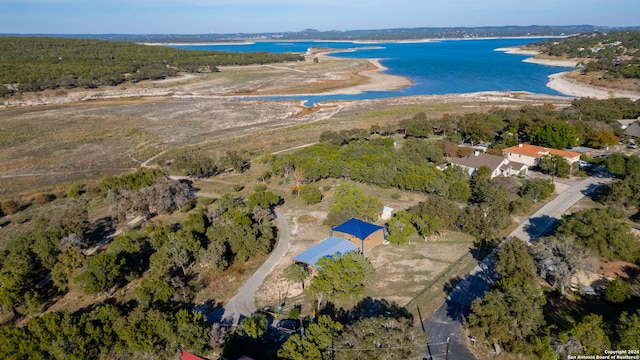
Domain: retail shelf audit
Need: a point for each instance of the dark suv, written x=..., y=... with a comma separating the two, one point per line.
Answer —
x=289, y=326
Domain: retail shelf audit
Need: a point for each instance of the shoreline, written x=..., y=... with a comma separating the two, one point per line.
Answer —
x=561, y=83
x=408, y=41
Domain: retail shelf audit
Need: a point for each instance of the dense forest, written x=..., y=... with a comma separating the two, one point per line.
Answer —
x=40, y=63
x=615, y=53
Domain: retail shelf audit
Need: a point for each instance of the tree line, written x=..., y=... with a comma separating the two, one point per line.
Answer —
x=40, y=63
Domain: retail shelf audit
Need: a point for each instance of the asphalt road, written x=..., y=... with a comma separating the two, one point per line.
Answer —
x=243, y=304
x=445, y=325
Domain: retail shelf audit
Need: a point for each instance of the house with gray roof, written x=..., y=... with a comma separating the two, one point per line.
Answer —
x=633, y=131
x=625, y=123
x=499, y=166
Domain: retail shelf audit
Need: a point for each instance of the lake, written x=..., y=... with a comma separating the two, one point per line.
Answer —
x=436, y=67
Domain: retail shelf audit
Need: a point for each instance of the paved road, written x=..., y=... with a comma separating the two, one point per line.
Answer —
x=446, y=322
x=243, y=304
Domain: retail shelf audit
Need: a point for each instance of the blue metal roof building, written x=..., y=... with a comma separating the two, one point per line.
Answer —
x=328, y=247
x=363, y=231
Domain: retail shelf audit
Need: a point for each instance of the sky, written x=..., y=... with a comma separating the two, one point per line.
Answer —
x=255, y=16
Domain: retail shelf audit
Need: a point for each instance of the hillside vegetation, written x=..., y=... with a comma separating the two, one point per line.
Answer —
x=40, y=63
x=617, y=54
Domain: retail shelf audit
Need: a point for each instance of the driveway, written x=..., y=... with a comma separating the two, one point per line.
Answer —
x=445, y=325
x=243, y=304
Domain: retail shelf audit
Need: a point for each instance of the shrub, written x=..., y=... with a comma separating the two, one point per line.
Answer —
x=311, y=195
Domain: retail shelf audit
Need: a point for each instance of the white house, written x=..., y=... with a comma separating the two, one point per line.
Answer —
x=499, y=166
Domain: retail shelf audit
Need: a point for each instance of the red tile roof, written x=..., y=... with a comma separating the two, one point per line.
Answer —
x=539, y=151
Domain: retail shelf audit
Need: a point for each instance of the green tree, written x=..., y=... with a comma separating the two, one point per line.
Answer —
x=316, y=342
x=296, y=273
x=103, y=271
x=385, y=338
x=400, y=227
x=617, y=291
x=606, y=236
x=264, y=199
x=311, y=194
x=513, y=262
x=154, y=290
x=196, y=222
x=555, y=165
x=182, y=248
x=510, y=315
x=537, y=189
x=254, y=326
x=350, y=201
x=589, y=334
x=554, y=135
x=67, y=263
x=435, y=215
x=214, y=257
x=628, y=331
x=341, y=279
x=235, y=160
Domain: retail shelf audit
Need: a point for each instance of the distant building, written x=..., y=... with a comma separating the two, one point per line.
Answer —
x=633, y=131
x=531, y=154
x=582, y=150
x=625, y=123
x=499, y=166
x=387, y=213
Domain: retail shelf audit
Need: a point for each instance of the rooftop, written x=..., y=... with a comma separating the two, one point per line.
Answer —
x=327, y=247
x=539, y=151
x=479, y=159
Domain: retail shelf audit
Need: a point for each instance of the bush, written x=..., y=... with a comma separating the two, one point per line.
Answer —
x=238, y=187
x=617, y=291
x=42, y=199
x=10, y=207
x=395, y=196
x=74, y=191
x=311, y=195
x=294, y=313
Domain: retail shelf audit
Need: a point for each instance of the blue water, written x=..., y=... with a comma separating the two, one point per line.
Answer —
x=438, y=67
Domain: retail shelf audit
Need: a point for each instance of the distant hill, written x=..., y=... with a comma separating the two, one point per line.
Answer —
x=383, y=34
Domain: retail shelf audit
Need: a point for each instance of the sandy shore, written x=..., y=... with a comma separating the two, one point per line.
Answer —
x=378, y=80
x=550, y=62
x=565, y=85
x=515, y=50
x=561, y=83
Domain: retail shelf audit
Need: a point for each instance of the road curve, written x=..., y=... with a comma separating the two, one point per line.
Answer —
x=445, y=325
x=243, y=304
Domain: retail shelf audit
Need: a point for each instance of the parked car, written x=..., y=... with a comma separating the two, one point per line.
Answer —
x=289, y=326
x=583, y=164
x=633, y=146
